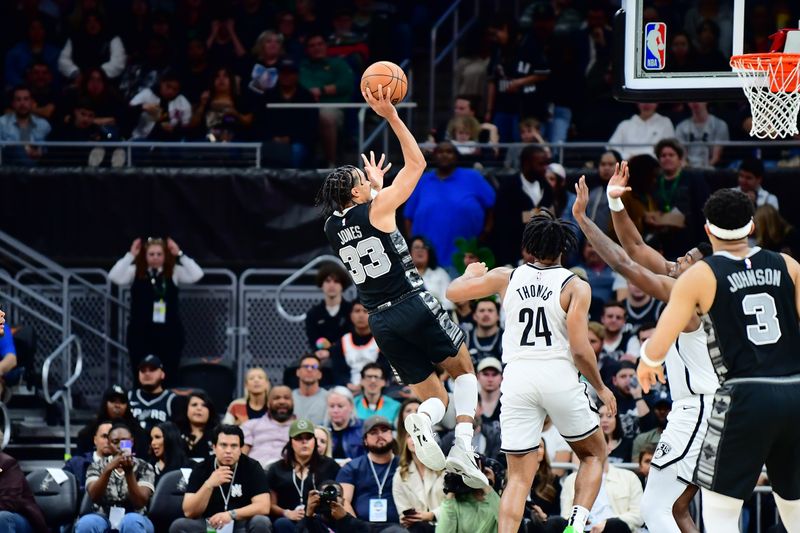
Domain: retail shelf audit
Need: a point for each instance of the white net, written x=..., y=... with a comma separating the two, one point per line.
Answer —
x=770, y=82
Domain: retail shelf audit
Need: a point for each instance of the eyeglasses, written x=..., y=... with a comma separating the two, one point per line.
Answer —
x=372, y=377
x=310, y=367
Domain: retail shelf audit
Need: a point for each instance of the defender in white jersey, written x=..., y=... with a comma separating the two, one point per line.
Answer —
x=691, y=376
x=545, y=345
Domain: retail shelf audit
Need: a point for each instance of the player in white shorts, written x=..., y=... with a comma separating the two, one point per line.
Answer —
x=545, y=344
x=691, y=376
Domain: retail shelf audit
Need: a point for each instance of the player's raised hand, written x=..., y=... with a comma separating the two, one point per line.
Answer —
x=475, y=270
x=582, y=198
x=618, y=184
x=375, y=171
x=382, y=105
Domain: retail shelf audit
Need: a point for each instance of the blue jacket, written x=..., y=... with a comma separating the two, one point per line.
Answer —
x=352, y=440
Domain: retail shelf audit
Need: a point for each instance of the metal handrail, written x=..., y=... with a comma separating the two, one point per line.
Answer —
x=6, y=426
x=288, y=281
x=64, y=392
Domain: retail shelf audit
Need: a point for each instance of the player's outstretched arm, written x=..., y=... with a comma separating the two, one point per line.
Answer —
x=478, y=282
x=655, y=285
x=626, y=230
x=383, y=208
x=580, y=297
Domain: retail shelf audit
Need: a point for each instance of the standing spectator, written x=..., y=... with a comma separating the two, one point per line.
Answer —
x=448, y=203
x=300, y=470
x=265, y=437
x=750, y=176
x=329, y=80
x=632, y=409
x=490, y=377
x=606, y=284
x=372, y=401
x=269, y=52
x=619, y=446
x=436, y=278
x=92, y=46
x=166, y=449
x=79, y=463
x=328, y=320
x=120, y=486
x=113, y=407
x=617, y=342
x=354, y=350
x=417, y=491
x=638, y=134
x=545, y=500
x=346, y=427
x=367, y=480
x=518, y=198
x=19, y=512
x=702, y=127
x=163, y=116
x=152, y=404
x=24, y=54
x=154, y=272
x=597, y=209
x=466, y=509
x=20, y=124
x=9, y=373
x=219, y=492
x=309, y=398
x=224, y=45
x=197, y=429
x=254, y=403
x=484, y=340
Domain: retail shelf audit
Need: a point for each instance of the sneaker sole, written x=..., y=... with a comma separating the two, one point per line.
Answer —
x=428, y=452
x=473, y=478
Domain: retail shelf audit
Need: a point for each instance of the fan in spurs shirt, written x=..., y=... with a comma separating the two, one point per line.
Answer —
x=151, y=404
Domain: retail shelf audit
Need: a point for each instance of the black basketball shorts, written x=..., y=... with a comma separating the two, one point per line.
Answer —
x=415, y=334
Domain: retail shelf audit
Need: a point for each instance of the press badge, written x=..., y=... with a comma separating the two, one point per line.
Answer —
x=159, y=312
x=115, y=516
x=227, y=528
x=378, y=509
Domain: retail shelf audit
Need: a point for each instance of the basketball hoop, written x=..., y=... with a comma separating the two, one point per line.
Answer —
x=771, y=84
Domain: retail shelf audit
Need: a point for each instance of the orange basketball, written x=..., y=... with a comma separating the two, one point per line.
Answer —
x=387, y=74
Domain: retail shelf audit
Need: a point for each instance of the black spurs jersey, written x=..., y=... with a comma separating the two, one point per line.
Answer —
x=151, y=409
x=379, y=263
x=752, y=325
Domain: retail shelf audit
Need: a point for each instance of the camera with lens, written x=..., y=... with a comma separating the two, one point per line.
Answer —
x=328, y=493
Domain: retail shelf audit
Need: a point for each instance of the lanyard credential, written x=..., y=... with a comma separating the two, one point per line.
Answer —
x=227, y=497
x=380, y=484
x=302, y=484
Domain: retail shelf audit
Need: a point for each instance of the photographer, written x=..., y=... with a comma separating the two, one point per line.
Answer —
x=325, y=512
x=469, y=510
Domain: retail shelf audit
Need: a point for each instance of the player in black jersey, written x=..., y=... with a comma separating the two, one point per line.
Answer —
x=410, y=326
x=751, y=302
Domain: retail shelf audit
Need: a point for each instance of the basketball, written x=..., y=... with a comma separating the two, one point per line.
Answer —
x=387, y=74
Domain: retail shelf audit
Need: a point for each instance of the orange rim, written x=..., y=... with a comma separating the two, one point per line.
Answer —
x=785, y=66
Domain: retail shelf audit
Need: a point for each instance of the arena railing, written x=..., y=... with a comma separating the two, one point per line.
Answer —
x=64, y=390
x=6, y=426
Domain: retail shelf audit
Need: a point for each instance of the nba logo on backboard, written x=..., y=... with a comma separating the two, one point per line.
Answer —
x=655, y=45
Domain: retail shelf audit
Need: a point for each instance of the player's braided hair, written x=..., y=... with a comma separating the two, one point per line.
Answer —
x=728, y=209
x=334, y=195
x=546, y=237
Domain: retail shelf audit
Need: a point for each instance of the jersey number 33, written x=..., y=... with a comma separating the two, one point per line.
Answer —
x=378, y=262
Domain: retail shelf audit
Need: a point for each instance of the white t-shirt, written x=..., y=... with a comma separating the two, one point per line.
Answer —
x=179, y=111
x=637, y=131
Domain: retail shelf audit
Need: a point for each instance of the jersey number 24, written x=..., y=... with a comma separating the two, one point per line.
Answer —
x=537, y=321
x=371, y=248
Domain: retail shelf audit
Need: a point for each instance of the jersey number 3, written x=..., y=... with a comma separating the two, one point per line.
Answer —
x=767, y=329
x=536, y=321
x=371, y=248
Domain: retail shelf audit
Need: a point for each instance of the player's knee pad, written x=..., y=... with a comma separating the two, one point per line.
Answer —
x=790, y=513
x=465, y=394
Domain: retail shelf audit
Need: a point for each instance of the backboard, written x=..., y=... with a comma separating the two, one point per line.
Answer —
x=679, y=50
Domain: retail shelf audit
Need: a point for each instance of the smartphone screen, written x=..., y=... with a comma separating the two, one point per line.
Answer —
x=126, y=447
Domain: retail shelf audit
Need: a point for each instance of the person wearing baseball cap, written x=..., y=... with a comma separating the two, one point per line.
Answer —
x=151, y=404
x=490, y=376
x=300, y=470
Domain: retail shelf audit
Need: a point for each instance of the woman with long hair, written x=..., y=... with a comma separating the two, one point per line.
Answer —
x=113, y=407
x=545, y=503
x=198, y=427
x=154, y=269
x=324, y=444
x=773, y=232
x=435, y=277
x=301, y=469
x=418, y=489
x=619, y=447
x=254, y=402
x=409, y=406
x=347, y=441
x=221, y=112
x=167, y=451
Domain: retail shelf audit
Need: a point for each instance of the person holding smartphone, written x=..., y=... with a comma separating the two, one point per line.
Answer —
x=120, y=486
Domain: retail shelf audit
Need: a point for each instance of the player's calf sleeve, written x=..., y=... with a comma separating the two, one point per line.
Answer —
x=720, y=512
x=790, y=513
x=465, y=395
x=434, y=408
x=660, y=494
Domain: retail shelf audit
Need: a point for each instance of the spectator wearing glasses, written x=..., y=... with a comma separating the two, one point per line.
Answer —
x=254, y=403
x=309, y=398
x=372, y=401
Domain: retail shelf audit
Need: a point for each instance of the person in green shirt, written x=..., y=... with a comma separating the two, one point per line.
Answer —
x=467, y=510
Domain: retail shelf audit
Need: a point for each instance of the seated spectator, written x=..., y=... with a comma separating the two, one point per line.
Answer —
x=288, y=134
x=639, y=134
x=773, y=232
x=300, y=470
x=605, y=283
x=367, y=480
x=485, y=437
x=545, y=499
x=645, y=459
x=152, y=404
x=465, y=107
x=640, y=309
x=254, y=403
x=471, y=69
x=196, y=73
x=449, y=202
x=328, y=320
x=113, y=407
x=597, y=335
x=751, y=174
x=632, y=408
x=702, y=127
x=163, y=116
x=79, y=464
x=120, y=486
x=329, y=80
x=92, y=46
x=707, y=56
x=167, y=449
x=563, y=198
x=485, y=339
x=251, y=19
x=618, y=445
x=346, y=42
x=219, y=492
x=80, y=125
x=372, y=401
x=409, y=405
x=597, y=210
x=331, y=516
x=39, y=78
x=23, y=55
x=224, y=45
x=346, y=427
x=463, y=505
x=618, y=342
x=20, y=124
x=530, y=132
x=104, y=98
x=616, y=508
x=197, y=429
x=265, y=437
x=661, y=409
x=435, y=277
x=324, y=445
x=222, y=114
x=354, y=350
x=463, y=132
x=19, y=511
x=10, y=374
x=292, y=42
x=309, y=398
x=417, y=491
x=558, y=450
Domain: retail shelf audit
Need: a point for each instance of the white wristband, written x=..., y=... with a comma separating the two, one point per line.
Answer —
x=646, y=360
x=615, y=204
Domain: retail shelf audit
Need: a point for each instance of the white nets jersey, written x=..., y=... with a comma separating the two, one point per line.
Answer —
x=689, y=367
x=536, y=324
